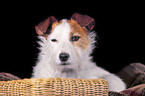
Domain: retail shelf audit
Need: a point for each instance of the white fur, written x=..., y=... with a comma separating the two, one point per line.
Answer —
x=48, y=65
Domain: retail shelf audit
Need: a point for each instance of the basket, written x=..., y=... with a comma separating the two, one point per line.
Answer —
x=54, y=87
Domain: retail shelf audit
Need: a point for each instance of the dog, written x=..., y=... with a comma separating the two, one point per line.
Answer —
x=65, y=48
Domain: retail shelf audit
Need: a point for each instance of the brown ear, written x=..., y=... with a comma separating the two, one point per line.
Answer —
x=85, y=21
x=44, y=27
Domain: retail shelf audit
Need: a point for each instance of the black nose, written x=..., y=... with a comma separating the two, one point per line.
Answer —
x=63, y=56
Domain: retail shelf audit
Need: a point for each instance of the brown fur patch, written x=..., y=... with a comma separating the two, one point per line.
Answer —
x=52, y=28
x=54, y=25
x=77, y=30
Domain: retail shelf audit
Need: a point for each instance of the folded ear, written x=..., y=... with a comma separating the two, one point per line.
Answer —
x=84, y=21
x=44, y=27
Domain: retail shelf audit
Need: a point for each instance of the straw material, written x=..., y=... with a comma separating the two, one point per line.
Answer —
x=54, y=87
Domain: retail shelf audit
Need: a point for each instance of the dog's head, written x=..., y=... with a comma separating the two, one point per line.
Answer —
x=66, y=41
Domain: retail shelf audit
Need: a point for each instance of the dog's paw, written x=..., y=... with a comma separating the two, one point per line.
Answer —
x=115, y=83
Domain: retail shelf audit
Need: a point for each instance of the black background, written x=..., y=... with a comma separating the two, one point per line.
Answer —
x=119, y=27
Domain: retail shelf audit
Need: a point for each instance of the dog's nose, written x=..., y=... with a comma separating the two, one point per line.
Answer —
x=63, y=56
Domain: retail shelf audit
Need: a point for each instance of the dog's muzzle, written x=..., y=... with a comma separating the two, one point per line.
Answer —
x=63, y=57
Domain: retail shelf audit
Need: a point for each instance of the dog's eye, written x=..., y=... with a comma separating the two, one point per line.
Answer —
x=53, y=40
x=75, y=38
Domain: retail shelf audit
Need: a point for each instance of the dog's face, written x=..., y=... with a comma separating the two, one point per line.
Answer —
x=66, y=41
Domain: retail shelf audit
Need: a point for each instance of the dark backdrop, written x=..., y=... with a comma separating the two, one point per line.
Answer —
x=119, y=29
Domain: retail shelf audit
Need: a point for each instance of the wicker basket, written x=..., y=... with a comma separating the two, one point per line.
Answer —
x=55, y=87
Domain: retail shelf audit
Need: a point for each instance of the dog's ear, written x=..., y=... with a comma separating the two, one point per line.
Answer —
x=44, y=27
x=84, y=21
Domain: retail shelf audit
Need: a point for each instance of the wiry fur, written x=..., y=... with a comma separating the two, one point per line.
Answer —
x=81, y=66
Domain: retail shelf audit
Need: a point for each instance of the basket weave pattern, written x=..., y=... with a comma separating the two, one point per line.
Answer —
x=54, y=87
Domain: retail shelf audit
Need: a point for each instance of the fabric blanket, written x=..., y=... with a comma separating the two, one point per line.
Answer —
x=134, y=76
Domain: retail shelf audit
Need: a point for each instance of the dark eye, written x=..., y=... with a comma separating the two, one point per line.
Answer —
x=75, y=38
x=53, y=40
